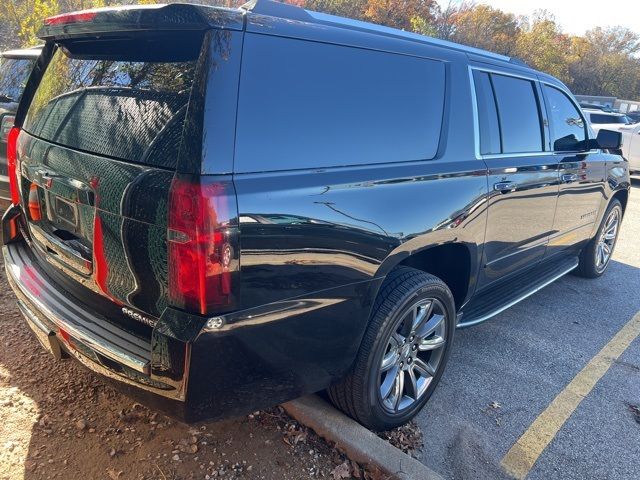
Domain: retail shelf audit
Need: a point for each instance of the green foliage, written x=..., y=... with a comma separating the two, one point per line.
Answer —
x=542, y=45
x=486, y=27
x=602, y=62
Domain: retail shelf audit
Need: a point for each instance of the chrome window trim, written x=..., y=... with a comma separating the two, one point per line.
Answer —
x=476, y=116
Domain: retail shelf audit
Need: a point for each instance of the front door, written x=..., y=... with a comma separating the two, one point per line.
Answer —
x=582, y=173
x=523, y=177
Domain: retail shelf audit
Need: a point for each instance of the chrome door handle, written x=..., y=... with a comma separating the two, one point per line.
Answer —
x=504, y=187
x=569, y=177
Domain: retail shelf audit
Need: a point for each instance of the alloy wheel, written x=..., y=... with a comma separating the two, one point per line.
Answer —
x=607, y=240
x=412, y=355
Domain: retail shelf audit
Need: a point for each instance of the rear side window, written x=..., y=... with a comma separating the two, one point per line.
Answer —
x=14, y=73
x=127, y=110
x=519, y=114
x=487, y=114
x=568, y=130
x=307, y=105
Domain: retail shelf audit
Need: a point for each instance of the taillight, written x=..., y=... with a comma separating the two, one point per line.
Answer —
x=12, y=164
x=203, y=244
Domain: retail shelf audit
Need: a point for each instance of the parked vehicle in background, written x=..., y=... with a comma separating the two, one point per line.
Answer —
x=607, y=120
x=218, y=242
x=634, y=116
x=631, y=148
x=15, y=67
x=595, y=106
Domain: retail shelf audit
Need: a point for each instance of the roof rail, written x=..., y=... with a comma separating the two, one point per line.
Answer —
x=518, y=61
x=277, y=9
x=293, y=12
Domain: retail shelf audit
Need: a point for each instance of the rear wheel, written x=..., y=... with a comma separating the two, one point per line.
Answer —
x=403, y=353
x=595, y=257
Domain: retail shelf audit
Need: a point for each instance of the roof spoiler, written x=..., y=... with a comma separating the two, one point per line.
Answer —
x=139, y=18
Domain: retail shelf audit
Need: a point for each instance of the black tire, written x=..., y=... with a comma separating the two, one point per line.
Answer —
x=359, y=393
x=588, y=264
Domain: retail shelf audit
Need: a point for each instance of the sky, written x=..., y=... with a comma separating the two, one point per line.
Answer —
x=578, y=16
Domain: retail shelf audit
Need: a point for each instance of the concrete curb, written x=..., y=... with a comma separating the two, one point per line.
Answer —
x=358, y=443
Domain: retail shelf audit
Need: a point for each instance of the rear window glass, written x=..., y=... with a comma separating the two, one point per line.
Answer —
x=307, y=105
x=128, y=110
x=14, y=73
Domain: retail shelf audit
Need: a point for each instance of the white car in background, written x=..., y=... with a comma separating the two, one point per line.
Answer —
x=599, y=119
x=631, y=147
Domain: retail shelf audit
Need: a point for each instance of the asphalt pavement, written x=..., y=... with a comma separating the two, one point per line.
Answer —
x=505, y=372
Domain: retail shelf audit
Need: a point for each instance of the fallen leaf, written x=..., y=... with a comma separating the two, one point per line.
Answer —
x=113, y=473
x=341, y=471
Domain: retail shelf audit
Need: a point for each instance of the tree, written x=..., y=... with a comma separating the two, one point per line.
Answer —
x=446, y=17
x=402, y=14
x=605, y=62
x=543, y=46
x=345, y=8
x=485, y=27
x=24, y=18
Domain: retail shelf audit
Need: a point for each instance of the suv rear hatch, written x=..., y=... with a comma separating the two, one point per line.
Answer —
x=100, y=145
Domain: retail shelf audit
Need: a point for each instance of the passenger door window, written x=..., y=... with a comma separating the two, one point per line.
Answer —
x=519, y=114
x=568, y=128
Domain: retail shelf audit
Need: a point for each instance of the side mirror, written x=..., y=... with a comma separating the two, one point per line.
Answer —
x=608, y=140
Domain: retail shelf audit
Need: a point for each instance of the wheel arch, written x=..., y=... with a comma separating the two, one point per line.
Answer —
x=622, y=196
x=454, y=263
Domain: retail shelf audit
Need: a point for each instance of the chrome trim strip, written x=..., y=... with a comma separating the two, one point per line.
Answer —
x=84, y=336
x=518, y=299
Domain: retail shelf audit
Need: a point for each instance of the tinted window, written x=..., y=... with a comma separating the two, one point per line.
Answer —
x=306, y=104
x=129, y=110
x=519, y=115
x=600, y=118
x=487, y=114
x=567, y=126
x=14, y=73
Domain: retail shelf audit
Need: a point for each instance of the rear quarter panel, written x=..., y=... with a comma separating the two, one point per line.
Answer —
x=317, y=243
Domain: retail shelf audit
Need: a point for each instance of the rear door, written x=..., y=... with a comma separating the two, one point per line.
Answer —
x=523, y=175
x=98, y=152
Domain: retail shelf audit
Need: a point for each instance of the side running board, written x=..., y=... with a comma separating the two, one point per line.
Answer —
x=506, y=294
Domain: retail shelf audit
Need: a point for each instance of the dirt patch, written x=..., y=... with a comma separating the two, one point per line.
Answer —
x=60, y=421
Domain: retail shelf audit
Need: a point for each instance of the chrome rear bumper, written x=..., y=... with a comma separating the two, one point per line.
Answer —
x=57, y=314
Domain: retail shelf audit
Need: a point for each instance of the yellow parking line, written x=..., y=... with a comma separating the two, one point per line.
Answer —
x=520, y=459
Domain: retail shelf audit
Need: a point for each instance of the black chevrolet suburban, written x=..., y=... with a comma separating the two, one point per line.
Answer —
x=224, y=209
x=15, y=68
